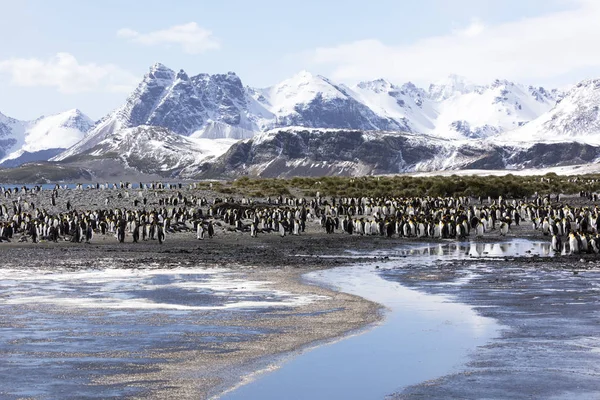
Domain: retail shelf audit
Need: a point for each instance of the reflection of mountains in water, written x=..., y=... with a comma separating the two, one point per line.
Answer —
x=458, y=250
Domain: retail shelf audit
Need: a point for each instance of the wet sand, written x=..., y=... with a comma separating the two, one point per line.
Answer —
x=187, y=366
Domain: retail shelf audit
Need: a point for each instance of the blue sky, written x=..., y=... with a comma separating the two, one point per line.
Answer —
x=63, y=54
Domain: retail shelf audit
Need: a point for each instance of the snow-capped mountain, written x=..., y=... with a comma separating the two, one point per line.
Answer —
x=172, y=124
x=451, y=86
x=408, y=105
x=213, y=106
x=488, y=110
x=11, y=134
x=220, y=106
x=156, y=150
x=24, y=141
x=314, y=101
x=456, y=109
x=576, y=117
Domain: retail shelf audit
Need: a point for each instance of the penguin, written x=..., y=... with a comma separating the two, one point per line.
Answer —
x=479, y=230
x=160, y=234
x=200, y=231
x=281, y=229
x=556, y=243
x=545, y=227
x=594, y=245
x=121, y=232
x=89, y=233
x=573, y=244
x=461, y=232
x=136, y=233
x=503, y=228
x=583, y=243
x=211, y=229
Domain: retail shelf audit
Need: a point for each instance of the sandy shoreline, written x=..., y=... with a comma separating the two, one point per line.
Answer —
x=205, y=372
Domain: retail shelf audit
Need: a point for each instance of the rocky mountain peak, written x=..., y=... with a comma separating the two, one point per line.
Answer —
x=181, y=75
x=378, y=85
x=451, y=86
x=159, y=70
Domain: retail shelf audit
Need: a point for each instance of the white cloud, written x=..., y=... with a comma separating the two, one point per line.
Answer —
x=540, y=48
x=65, y=73
x=192, y=38
x=475, y=28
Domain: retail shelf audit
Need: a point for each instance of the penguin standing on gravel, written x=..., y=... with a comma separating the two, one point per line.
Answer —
x=594, y=245
x=573, y=244
x=136, y=232
x=503, y=228
x=34, y=234
x=89, y=233
x=281, y=229
x=160, y=234
x=556, y=243
x=121, y=232
x=200, y=231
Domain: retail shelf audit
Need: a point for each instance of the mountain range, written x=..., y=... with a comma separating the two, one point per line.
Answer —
x=213, y=125
x=41, y=139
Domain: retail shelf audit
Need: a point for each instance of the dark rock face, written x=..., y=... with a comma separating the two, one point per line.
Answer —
x=545, y=155
x=339, y=114
x=312, y=153
x=540, y=155
x=6, y=144
x=304, y=152
x=183, y=104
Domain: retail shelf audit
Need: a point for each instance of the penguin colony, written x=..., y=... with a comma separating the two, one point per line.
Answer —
x=157, y=209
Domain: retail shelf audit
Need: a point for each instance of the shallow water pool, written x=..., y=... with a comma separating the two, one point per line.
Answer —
x=423, y=336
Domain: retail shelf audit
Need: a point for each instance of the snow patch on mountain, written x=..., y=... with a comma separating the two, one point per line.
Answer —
x=497, y=108
x=58, y=131
x=451, y=86
x=152, y=149
x=406, y=104
x=220, y=130
x=283, y=98
x=314, y=101
x=455, y=109
x=576, y=118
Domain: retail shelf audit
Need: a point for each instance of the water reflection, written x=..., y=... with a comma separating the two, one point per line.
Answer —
x=461, y=250
x=424, y=336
